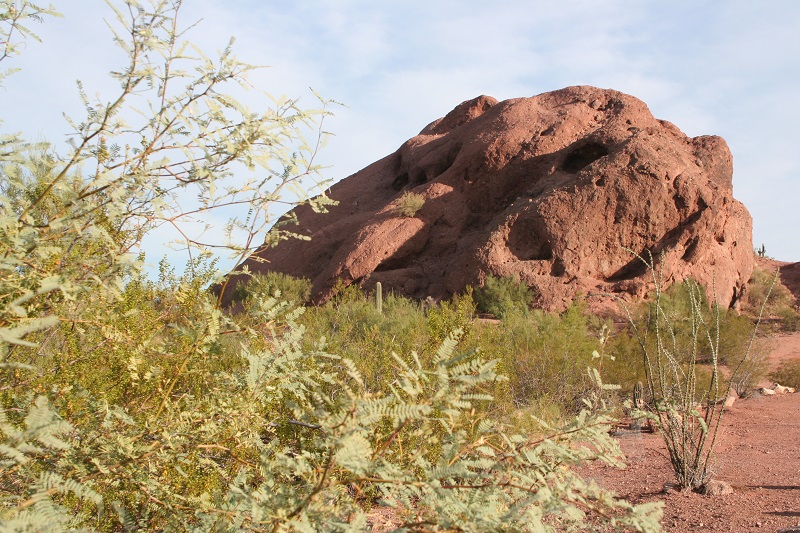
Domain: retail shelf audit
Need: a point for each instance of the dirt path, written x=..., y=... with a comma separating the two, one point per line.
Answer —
x=758, y=453
x=784, y=347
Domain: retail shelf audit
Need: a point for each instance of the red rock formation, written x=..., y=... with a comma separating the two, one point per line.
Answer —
x=556, y=189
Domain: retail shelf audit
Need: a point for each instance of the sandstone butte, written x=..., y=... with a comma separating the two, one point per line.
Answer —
x=557, y=190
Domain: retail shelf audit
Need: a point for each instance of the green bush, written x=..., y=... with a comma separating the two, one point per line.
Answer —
x=409, y=204
x=352, y=327
x=780, y=304
x=504, y=295
x=272, y=284
x=787, y=374
x=683, y=341
x=128, y=404
x=749, y=374
x=449, y=315
x=790, y=319
x=544, y=355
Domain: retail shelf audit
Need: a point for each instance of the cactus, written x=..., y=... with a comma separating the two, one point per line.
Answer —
x=638, y=405
x=638, y=395
x=379, y=297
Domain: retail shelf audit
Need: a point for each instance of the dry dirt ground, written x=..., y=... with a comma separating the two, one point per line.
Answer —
x=758, y=453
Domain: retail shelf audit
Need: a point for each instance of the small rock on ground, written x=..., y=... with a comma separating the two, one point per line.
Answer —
x=717, y=488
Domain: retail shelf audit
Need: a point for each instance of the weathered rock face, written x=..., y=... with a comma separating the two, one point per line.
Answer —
x=556, y=189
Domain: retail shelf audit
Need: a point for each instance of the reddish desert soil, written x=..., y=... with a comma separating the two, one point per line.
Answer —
x=758, y=453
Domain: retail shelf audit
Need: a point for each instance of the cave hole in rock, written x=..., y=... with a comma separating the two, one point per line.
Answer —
x=418, y=177
x=691, y=248
x=442, y=165
x=583, y=156
x=558, y=268
x=528, y=242
x=400, y=181
x=680, y=202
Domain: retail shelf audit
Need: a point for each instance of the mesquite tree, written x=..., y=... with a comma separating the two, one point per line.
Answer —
x=131, y=404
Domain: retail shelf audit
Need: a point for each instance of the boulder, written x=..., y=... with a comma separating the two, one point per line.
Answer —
x=560, y=190
x=729, y=401
x=716, y=488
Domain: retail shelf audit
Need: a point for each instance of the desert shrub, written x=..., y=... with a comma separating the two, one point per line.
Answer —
x=626, y=369
x=735, y=331
x=761, y=283
x=500, y=296
x=787, y=374
x=277, y=284
x=352, y=327
x=780, y=304
x=789, y=319
x=677, y=305
x=456, y=313
x=129, y=404
x=750, y=373
x=538, y=414
x=214, y=464
x=544, y=355
x=409, y=204
x=680, y=340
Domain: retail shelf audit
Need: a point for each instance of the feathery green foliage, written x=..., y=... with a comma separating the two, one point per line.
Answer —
x=128, y=404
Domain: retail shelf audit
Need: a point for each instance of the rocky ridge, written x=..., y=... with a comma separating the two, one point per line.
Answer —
x=559, y=190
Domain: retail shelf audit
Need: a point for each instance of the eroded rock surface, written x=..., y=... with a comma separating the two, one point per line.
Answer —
x=557, y=189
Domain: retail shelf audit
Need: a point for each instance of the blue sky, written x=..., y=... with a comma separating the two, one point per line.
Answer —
x=727, y=68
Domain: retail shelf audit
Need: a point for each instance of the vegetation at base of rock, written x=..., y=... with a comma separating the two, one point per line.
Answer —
x=217, y=426
x=787, y=374
x=780, y=310
x=409, y=204
x=501, y=296
x=543, y=355
x=291, y=289
x=131, y=404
